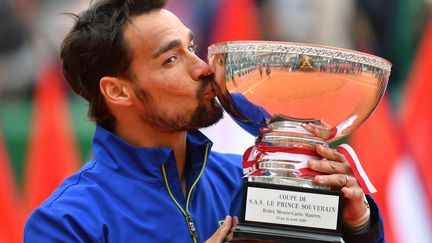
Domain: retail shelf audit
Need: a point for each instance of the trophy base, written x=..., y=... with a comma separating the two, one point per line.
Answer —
x=252, y=233
x=284, y=213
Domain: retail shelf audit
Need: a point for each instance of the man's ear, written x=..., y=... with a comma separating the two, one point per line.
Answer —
x=115, y=90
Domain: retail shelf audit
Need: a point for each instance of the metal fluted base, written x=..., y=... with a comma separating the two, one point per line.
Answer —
x=252, y=233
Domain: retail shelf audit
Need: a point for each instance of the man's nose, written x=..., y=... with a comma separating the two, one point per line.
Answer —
x=200, y=69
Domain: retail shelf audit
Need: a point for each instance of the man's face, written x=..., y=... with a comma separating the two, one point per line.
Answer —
x=171, y=83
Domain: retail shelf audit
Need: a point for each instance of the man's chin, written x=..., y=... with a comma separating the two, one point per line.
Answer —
x=206, y=116
x=214, y=119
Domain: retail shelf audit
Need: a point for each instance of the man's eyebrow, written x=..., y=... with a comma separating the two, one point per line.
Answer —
x=170, y=45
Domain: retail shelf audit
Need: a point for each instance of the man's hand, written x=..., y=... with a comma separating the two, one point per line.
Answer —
x=323, y=130
x=225, y=232
x=340, y=175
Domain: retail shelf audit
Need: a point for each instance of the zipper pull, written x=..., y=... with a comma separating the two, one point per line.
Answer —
x=191, y=225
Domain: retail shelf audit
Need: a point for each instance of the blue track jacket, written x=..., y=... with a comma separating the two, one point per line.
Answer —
x=130, y=194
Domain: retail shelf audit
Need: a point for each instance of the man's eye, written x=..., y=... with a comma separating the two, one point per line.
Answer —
x=170, y=60
x=192, y=48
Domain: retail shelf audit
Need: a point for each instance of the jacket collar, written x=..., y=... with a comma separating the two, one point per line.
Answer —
x=145, y=163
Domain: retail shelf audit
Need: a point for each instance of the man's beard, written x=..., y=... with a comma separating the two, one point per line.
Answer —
x=203, y=116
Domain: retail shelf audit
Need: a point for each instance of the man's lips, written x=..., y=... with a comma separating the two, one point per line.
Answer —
x=212, y=90
x=209, y=93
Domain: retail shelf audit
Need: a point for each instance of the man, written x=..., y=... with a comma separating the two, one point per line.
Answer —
x=153, y=177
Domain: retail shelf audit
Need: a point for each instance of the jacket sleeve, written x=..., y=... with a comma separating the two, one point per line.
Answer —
x=254, y=116
x=55, y=225
x=375, y=233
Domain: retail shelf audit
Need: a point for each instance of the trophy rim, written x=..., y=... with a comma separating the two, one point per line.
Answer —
x=299, y=48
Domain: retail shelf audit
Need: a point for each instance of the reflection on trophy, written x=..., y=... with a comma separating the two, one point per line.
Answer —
x=284, y=87
x=306, y=64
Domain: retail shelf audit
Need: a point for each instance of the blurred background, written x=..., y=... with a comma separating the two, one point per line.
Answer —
x=45, y=134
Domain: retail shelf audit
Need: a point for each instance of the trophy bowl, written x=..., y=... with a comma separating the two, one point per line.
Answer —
x=272, y=89
x=304, y=81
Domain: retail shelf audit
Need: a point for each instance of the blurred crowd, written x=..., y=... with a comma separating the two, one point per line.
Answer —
x=31, y=33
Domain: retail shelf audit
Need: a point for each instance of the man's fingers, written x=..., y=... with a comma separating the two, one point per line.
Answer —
x=329, y=167
x=234, y=224
x=223, y=231
x=336, y=180
x=233, y=227
x=225, y=228
x=330, y=154
x=319, y=130
x=353, y=193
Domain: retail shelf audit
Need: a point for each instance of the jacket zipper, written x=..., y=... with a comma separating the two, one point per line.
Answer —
x=186, y=214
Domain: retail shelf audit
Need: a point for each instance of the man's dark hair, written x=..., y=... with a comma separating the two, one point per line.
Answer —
x=95, y=47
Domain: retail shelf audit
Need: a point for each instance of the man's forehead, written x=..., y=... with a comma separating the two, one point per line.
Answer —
x=154, y=27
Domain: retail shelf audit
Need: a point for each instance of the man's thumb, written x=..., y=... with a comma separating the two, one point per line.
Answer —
x=220, y=235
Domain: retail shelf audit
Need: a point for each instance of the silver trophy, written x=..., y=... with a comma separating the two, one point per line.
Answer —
x=273, y=89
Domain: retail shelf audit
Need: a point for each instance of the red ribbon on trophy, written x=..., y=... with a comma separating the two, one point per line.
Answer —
x=262, y=152
x=357, y=168
x=299, y=157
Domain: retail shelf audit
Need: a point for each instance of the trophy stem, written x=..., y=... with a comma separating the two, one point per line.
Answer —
x=291, y=133
x=281, y=154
